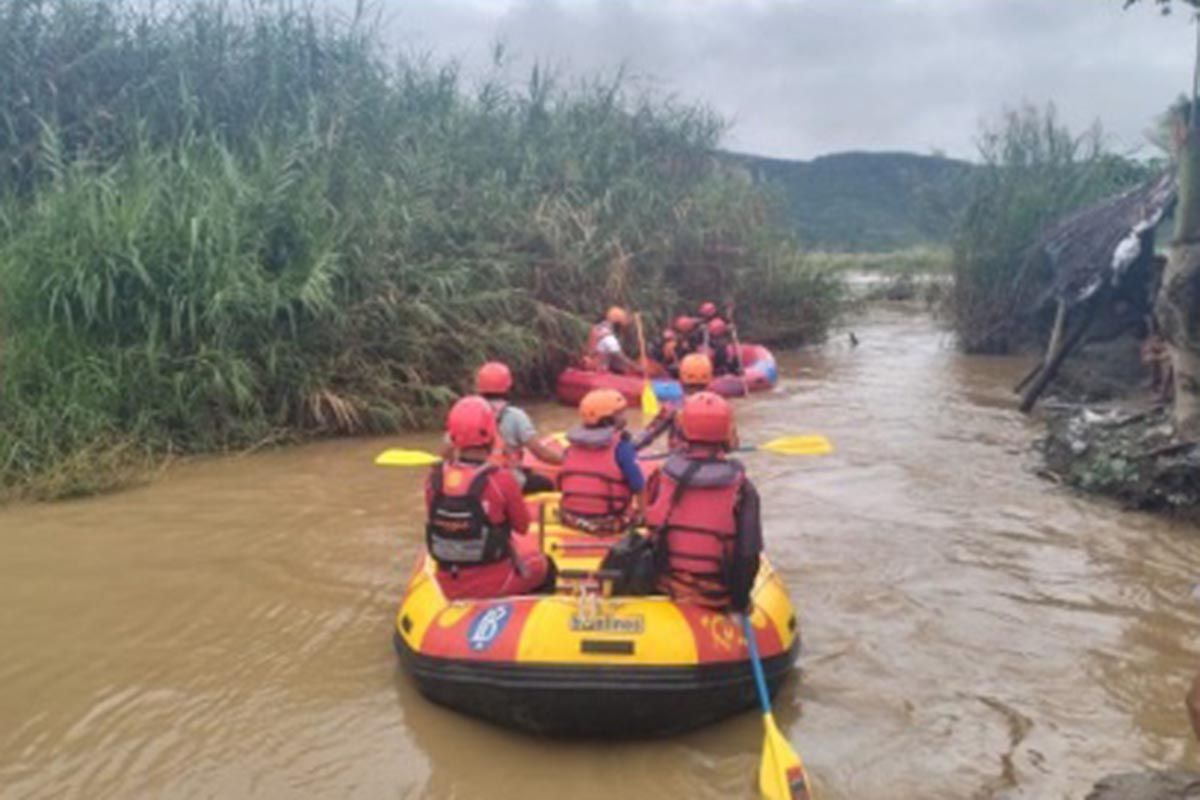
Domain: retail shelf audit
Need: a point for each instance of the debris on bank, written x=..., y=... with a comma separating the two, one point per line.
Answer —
x=1130, y=455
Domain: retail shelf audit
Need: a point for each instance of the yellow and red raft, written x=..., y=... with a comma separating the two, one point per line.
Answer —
x=581, y=663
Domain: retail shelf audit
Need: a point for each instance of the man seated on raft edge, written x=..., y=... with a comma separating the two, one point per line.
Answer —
x=604, y=353
x=478, y=526
x=666, y=351
x=704, y=514
x=515, y=429
x=601, y=481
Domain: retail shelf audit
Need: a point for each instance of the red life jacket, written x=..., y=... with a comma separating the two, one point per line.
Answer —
x=460, y=532
x=594, y=492
x=692, y=516
x=592, y=357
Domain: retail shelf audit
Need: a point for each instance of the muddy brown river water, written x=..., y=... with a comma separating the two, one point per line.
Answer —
x=970, y=630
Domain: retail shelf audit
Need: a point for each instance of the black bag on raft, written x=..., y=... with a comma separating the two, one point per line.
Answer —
x=633, y=557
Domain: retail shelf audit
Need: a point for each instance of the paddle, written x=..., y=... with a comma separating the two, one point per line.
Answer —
x=649, y=399
x=406, y=458
x=737, y=346
x=812, y=444
x=781, y=774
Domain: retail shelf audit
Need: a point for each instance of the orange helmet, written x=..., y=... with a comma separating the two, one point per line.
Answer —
x=685, y=324
x=471, y=423
x=600, y=404
x=493, y=378
x=617, y=316
x=707, y=418
x=718, y=327
x=708, y=310
x=696, y=369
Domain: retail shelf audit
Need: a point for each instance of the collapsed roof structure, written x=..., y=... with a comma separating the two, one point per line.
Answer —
x=1102, y=261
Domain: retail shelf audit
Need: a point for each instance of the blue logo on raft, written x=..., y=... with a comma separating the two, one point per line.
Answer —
x=487, y=626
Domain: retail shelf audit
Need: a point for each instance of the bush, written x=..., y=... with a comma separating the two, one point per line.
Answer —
x=1034, y=171
x=223, y=228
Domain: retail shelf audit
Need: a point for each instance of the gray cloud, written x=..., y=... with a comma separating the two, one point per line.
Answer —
x=807, y=77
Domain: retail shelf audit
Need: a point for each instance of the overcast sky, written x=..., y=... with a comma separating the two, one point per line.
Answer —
x=799, y=78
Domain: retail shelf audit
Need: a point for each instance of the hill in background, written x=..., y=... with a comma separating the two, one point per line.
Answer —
x=866, y=201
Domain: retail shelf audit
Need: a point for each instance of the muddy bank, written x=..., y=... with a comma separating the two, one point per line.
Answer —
x=1128, y=455
x=1107, y=434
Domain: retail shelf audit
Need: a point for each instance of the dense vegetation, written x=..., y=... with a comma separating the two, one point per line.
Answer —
x=221, y=226
x=867, y=202
x=1034, y=171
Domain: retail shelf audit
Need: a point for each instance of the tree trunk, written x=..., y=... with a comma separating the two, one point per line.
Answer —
x=1177, y=307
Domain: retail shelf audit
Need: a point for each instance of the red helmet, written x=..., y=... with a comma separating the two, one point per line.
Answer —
x=707, y=418
x=617, y=316
x=669, y=333
x=471, y=423
x=493, y=378
x=685, y=324
x=708, y=310
x=718, y=327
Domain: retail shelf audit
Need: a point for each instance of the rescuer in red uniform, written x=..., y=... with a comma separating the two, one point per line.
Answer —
x=478, y=524
x=704, y=513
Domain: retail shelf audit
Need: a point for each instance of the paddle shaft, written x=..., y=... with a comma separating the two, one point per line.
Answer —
x=641, y=334
x=760, y=680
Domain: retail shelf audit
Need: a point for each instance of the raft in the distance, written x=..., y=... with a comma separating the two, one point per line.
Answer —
x=580, y=664
x=761, y=374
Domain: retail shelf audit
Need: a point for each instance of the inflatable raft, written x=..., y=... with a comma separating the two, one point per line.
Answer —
x=762, y=374
x=573, y=383
x=581, y=663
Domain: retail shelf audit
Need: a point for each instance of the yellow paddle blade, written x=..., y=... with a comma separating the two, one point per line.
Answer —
x=811, y=445
x=406, y=458
x=649, y=401
x=781, y=775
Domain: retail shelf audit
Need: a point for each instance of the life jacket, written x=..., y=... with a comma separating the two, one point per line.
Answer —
x=460, y=532
x=724, y=358
x=595, y=495
x=692, y=517
x=592, y=357
x=675, y=438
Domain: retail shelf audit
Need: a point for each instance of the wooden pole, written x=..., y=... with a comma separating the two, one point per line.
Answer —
x=1055, y=360
x=1060, y=320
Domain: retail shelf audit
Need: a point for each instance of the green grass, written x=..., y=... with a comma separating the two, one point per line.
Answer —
x=225, y=228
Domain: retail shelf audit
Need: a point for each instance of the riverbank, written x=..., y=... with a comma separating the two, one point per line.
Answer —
x=196, y=257
x=1107, y=434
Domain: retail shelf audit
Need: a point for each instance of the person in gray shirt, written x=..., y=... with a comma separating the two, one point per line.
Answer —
x=517, y=432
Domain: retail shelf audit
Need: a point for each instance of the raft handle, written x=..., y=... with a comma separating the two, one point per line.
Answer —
x=589, y=574
x=608, y=647
x=582, y=545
